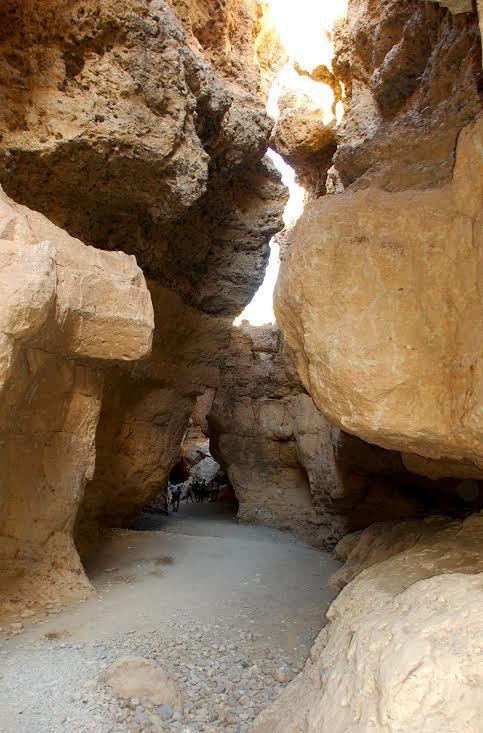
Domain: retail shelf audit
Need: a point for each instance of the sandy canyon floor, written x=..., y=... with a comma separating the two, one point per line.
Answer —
x=228, y=610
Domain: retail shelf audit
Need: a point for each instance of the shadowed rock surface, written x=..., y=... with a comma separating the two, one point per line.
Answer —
x=290, y=468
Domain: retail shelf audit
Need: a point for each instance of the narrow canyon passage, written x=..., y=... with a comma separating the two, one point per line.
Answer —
x=230, y=611
x=241, y=426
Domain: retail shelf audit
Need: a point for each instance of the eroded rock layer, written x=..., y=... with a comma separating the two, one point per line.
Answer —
x=379, y=301
x=128, y=125
x=292, y=469
x=378, y=297
x=399, y=650
x=67, y=310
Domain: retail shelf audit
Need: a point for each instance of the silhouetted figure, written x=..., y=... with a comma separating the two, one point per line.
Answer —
x=214, y=491
x=175, y=498
x=189, y=493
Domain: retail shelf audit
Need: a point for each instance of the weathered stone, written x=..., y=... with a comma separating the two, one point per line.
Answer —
x=378, y=299
x=304, y=140
x=411, y=73
x=399, y=652
x=288, y=466
x=66, y=310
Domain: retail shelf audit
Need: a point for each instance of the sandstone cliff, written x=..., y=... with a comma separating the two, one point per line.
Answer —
x=378, y=299
x=388, y=348
x=378, y=293
x=290, y=468
x=124, y=125
x=67, y=311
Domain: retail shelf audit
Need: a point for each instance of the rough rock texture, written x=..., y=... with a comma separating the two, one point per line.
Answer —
x=400, y=652
x=288, y=466
x=457, y=6
x=411, y=71
x=227, y=32
x=305, y=141
x=66, y=310
x=251, y=433
x=136, y=133
x=172, y=150
x=378, y=298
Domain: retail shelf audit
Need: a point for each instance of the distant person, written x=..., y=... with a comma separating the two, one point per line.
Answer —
x=203, y=490
x=175, y=498
x=189, y=493
x=214, y=491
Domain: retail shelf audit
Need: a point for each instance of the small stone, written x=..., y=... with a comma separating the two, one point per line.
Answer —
x=281, y=674
x=165, y=712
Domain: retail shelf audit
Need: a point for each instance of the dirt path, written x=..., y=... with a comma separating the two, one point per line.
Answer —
x=229, y=610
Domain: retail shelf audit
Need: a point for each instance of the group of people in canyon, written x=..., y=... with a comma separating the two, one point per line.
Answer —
x=194, y=490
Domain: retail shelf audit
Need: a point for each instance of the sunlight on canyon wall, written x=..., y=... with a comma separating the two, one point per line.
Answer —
x=305, y=31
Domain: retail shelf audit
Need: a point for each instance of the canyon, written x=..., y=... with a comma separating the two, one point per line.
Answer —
x=138, y=210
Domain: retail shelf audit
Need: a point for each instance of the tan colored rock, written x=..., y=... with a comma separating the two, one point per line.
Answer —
x=456, y=6
x=378, y=299
x=288, y=466
x=66, y=310
x=411, y=75
x=227, y=33
x=143, y=678
x=161, y=123
x=304, y=140
x=166, y=120
x=400, y=650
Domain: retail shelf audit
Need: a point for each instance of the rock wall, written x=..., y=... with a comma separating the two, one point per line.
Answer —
x=292, y=469
x=128, y=125
x=378, y=301
x=67, y=310
x=388, y=347
x=131, y=126
x=411, y=72
x=399, y=650
x=251, y=427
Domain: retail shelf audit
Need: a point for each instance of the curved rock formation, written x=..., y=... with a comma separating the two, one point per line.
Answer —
x=399, y=651
x=67, y=309
x=290, y=468
x=135, y=133
x=378, y=298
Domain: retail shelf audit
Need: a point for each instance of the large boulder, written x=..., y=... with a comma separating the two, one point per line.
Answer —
x=399, y=651
x=378, y=299
x=290, y=468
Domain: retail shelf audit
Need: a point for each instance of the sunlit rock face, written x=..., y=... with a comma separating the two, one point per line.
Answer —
x=305, y=141
x=290, y=468
x=128, y=125
x=378, y=298
x=68, y=311
x=411, y=72
x=399, y=652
